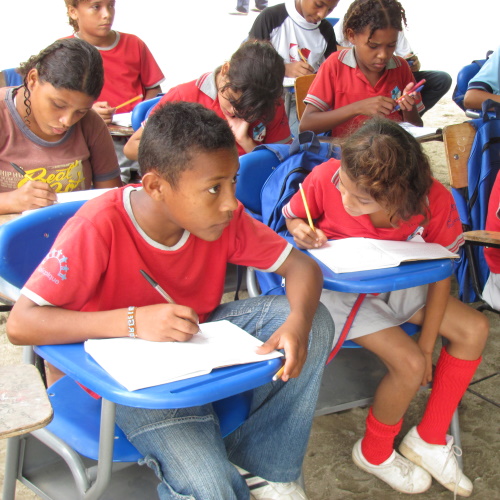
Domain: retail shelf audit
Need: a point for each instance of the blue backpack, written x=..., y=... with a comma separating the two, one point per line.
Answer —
x=482, y=168
x=296, y=162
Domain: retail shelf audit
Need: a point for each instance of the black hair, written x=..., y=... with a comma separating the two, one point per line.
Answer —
x=388, y=163
x=377, y=14
x=69, y=63
x=256, y=73
x=176, y=132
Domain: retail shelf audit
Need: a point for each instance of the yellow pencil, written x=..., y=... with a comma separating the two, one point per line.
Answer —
x=311, y=225
x=279, y=373
x=137, y=97
x=302, y=56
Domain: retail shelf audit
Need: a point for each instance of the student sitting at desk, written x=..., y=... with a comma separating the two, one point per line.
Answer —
x=302, y=36
x=182, y=227
x=129, y=67
x=48, y=128
x=246, y=91
x=367, y=80
x=383, y=189
x=485, y=84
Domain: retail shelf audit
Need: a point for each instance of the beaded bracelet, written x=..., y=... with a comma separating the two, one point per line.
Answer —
x=131, y=322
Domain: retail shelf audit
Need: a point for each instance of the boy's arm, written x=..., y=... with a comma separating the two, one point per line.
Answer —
x=474, y=98
x=131, y=148
x=304, y=282
x=437, y=298
x=150, y=93
x=31, y=324
x=31, y=195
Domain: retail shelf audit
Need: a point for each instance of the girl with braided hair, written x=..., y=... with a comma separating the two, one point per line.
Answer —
x=365, y=80
x=48, y=128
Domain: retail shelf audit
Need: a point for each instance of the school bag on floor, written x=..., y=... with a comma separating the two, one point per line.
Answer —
x=472, y=205
x=296, y=162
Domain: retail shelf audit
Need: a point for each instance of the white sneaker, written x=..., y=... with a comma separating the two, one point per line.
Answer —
x=439, y=460
x=396, y=471
x=260, y=489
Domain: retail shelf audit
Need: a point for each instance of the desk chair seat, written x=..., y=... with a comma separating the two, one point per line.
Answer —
x=142, y=111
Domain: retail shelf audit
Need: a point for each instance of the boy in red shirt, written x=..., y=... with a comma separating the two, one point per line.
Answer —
x=182, y=226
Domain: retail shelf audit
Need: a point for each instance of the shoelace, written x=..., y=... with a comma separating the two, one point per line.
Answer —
x=454, y=451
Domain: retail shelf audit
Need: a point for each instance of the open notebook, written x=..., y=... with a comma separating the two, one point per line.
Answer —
x=136, y=363
x=364, y=254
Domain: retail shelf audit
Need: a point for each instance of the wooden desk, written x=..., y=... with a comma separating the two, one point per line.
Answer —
x=119, y=130
x=24, y=404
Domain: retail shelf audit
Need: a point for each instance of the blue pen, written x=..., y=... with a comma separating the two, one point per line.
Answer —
x=398, y=107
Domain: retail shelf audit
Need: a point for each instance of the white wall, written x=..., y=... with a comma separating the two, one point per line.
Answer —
x=189, y=37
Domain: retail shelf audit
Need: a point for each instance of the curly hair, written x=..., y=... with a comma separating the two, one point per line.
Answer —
x=72, y=22
x=389, y=164
x=377, y=14
x=256, y=73
x=69, y=63
x=176, y=132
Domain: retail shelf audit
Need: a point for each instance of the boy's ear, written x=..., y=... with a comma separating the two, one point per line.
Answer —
x=350, y=35
x=224, y=69
x=155, y=186
x=72, y=12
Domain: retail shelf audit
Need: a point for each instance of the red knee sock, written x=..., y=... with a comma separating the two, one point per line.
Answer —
x=378, y=442
x=451, y=379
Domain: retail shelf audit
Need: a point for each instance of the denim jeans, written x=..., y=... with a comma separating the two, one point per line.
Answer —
x=242, y=5
x=185, y=447
x=436, y=85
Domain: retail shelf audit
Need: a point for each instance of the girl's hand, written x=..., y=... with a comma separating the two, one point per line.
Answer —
x=408, y=101
x=373, y=106
x=304, y=236
x=166, y=323
x=105, y=110
x=298, y=68
x=427, y=378
x=239, y=128
x=31, y=195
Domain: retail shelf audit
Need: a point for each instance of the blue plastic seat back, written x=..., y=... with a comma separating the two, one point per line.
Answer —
x=463, y=78
x=142, y=110
x=12, y=77
x=25, y=241
x=332, y=20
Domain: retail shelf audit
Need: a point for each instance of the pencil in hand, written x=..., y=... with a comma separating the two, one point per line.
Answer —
x=22, y=172
x=306, y=206
x=136, y=98
x=279, y=373
x=304, y=59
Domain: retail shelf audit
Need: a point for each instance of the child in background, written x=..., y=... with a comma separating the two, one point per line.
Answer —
x=383, y=189
x=129, y=67
x=182, y=226
x=48, y=128
x=364, y=81
x=298, y=25
x=246, y=92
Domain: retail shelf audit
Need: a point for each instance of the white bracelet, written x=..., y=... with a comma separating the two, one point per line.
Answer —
x=131, y=322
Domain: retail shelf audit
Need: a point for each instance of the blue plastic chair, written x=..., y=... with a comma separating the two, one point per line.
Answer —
x=332, y=20
x=464, y=76
x=142, y=110
x=76, y=456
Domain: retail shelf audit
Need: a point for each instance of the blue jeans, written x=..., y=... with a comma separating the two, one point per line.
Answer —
x=185, y=447
x=242, y=5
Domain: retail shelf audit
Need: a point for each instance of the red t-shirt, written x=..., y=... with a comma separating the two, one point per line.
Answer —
x=95, y=262
x=129, y=70
x=340, y=82
x=204, y=91
x=325, y=204
x=492, y=255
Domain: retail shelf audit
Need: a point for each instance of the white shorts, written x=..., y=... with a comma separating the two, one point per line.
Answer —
x=377, y=312
x=491, y=292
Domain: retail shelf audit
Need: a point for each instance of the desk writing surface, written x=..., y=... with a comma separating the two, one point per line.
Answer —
x=221, y=383
x=120, y=130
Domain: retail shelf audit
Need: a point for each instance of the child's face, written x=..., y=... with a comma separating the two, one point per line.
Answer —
x=54, y=111
x=373, y=53
x=203, y=200
x=313, y=11
x=356, y=201
x=225, y=98
x=94, y=17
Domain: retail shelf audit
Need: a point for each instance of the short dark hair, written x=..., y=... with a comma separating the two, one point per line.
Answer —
x=377, y=14
x=69, y=63
x=388, y=163
x=256, y=71
x=176, y=132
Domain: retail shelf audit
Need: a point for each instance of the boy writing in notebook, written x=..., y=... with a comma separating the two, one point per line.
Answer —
x=182, y=226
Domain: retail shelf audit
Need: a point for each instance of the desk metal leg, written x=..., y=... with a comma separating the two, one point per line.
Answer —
x=11, y=467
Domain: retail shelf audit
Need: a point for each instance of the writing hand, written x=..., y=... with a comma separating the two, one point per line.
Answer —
x=304, y=236
x=166, y=323
x=105, y=110
x=31, y=195
x=298, y=68
x=294, y=342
